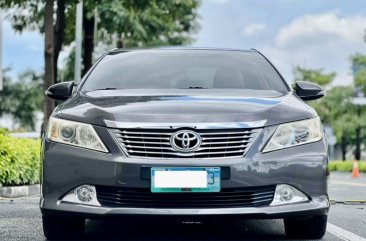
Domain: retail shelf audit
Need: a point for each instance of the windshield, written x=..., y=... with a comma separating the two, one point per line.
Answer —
x=184, y=69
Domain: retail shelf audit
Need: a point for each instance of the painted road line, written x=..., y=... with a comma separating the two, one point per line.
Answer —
x=349, y=183
x=19, y=198
x=343, y=234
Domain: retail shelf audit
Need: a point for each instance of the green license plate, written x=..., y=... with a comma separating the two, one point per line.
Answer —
x=185, y=179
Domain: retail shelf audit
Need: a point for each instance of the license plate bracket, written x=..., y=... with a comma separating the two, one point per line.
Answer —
x=185, y=179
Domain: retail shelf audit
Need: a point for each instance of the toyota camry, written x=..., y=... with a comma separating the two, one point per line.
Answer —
x=184, y=133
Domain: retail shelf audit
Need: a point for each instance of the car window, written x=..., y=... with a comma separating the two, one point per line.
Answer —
x=168, y=69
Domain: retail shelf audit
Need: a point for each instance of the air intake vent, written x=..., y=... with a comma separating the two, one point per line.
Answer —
x=226, y=198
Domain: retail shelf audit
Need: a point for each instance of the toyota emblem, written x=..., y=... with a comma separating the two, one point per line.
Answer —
x=185, y=141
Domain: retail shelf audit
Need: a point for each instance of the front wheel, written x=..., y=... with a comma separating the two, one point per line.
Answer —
x=55, y=227
x=306, y=228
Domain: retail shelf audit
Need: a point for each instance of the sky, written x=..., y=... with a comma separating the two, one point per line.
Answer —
x=320, y=34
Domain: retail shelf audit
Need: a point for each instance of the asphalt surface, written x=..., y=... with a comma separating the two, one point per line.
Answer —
x=20, y=219
x=345, y=188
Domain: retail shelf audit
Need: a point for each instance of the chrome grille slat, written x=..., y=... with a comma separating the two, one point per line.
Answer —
x=149, y=147
x=172, y=131
x=144, y=133
x=216, y=143
x=172, y=149
x=226, y=133
x=270, y=195
x=148, y=142
x=224, y=137
x=145, y=137
x=224, y=142
x=185, y=154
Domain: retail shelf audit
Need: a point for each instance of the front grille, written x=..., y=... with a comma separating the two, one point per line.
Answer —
x=143, y=198
x=141, y=142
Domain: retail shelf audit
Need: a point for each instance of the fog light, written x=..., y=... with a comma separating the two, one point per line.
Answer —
x=286, y=194
x=85, y=194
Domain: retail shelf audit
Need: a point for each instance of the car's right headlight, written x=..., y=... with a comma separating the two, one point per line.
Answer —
x=295, y=133
x=74, y=133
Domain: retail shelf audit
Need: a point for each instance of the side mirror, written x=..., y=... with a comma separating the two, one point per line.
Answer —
x=60, y=91
x=308, y=91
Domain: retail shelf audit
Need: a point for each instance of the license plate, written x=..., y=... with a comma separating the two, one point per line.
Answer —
x=184, y=179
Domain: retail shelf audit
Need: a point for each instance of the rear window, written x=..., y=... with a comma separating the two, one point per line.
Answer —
x=184, y=69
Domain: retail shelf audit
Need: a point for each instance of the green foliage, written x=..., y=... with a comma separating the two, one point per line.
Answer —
x=313, y=75
x=359, y=64
x=148, y=22
x=346, y=166
x=337, y=110
x=4, y=131
x=138, y=23
x=360, y=80
x=130, y=23
x=359, y=59
x=142, y=23
x=22, y=98
x=20, y=162
x=24, y=14
x=339, y=96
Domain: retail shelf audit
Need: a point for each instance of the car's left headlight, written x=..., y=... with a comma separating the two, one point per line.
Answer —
x=295, y=133
x=74, y=133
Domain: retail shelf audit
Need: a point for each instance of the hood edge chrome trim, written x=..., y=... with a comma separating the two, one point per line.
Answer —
x=151, y=125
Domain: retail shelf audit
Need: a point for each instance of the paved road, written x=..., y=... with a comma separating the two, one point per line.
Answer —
x=345, y=188
x=20, y=220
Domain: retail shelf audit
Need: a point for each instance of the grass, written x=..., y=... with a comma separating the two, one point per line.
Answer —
x=346, y=166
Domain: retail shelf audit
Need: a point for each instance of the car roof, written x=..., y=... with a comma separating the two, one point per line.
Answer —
x=121, y=50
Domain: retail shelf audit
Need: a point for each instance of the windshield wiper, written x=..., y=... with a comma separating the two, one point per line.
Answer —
x=108, y=88
x=194, y=87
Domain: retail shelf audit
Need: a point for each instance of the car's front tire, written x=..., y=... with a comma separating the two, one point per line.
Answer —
x=55, y=227
x=306, y=228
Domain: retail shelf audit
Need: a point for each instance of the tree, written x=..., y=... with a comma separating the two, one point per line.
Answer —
x=347, y=119
x=136, y=23
x=22, y=98
x=49, y=76
x=313, y=75
x=139, y=23
x=33, y=14
x=337, y=110
x=359, y=69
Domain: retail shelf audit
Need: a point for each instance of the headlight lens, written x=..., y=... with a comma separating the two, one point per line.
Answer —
x=295, y=133
x=74, y=133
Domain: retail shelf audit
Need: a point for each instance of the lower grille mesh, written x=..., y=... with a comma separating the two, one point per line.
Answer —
x=143, y=198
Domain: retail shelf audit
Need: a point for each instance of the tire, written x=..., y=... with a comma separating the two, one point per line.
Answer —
x=58, y=228
x=306, y=228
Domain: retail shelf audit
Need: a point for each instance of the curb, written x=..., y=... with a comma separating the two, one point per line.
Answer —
x=20, y=191
x=348, y=202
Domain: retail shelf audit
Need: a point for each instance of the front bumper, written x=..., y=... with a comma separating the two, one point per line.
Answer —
x=317, y=206
x=66, y=167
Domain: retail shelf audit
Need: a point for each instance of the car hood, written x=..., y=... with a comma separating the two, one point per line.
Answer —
x=118, y=107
